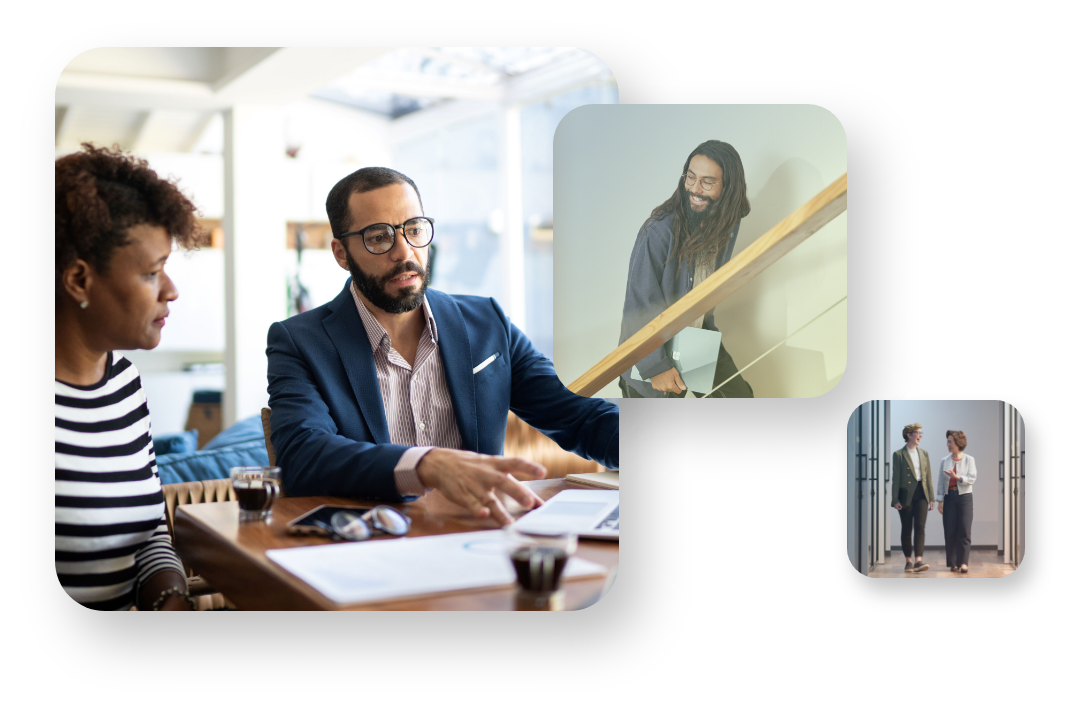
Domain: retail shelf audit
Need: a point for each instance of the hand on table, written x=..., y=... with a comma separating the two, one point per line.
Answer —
x=669, y=381
x=477, y=481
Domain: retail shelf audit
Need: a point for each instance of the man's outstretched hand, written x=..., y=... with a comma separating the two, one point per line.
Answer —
x=477, y=481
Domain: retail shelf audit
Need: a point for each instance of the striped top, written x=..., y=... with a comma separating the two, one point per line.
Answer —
x=416, y=400
x=111, y=533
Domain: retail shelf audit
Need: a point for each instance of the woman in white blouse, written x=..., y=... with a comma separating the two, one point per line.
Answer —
x=953, y=494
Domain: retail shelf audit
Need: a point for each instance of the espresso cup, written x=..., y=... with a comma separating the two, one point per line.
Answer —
x=539, y=560
x=256, y=489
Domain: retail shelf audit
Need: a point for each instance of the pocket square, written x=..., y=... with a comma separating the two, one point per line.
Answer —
x=486, y=363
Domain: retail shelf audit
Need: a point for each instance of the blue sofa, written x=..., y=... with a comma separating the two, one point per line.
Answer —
x=242, y=444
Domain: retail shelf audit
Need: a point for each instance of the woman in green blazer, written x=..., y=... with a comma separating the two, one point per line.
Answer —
x=912, y=495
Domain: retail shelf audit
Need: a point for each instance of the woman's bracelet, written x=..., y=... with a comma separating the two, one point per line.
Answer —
x=175, y=590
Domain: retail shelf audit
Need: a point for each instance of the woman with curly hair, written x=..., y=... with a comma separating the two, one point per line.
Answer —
x=115, y=221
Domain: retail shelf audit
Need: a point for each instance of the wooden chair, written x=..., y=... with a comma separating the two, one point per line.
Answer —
x=526, y=442
x=267, y=413
x=521, y=440
x=214, y=491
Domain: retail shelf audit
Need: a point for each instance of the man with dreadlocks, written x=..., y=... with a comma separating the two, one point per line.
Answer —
x=686, y=238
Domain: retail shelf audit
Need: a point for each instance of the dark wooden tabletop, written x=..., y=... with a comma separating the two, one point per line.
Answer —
x=231, y=555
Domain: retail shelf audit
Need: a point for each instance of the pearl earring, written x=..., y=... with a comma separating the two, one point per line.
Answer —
x=83, y=304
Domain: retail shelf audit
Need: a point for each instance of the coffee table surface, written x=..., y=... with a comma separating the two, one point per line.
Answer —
x=231, y=555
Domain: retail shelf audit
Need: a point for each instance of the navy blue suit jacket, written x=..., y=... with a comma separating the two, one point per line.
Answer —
x=329, y=429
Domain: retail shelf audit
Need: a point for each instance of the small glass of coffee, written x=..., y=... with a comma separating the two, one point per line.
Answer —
x=256, y=490
x=539, y=560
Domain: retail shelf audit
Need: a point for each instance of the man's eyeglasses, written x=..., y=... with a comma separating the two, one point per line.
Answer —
x=379, y=237
x=706, y=183
x=347, y=525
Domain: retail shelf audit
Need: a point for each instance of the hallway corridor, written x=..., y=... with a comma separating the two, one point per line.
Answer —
x=984, y=563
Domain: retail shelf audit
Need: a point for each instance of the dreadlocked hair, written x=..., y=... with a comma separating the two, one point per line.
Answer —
x=715, y=230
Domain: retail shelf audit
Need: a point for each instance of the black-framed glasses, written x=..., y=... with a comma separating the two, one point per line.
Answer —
x=706, y=183
x=379, y=237
x=348, y=525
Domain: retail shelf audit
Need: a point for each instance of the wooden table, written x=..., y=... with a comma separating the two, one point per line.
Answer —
x=231, y=555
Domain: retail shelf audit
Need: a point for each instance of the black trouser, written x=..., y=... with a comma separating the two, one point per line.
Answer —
x=958, y=514
x=726, y=367
x=913, y=518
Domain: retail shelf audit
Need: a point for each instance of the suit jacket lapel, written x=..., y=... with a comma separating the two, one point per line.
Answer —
x=455, y=353
x=350, y=339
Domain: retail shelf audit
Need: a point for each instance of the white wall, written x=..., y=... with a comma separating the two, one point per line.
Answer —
x=980, y=421
x=333, y=142
x=614, y=164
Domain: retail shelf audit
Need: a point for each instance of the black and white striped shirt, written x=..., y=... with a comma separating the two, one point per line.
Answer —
x=111, y=533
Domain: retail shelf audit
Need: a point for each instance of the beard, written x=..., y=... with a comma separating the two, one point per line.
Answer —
x=694, y=218
x=374, y=289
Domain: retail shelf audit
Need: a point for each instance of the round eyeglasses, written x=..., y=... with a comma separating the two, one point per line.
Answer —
x=351, y=526
x=706, y=183
x=379, y=237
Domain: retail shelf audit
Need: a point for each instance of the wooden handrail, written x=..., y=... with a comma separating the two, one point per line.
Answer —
x=764, y=252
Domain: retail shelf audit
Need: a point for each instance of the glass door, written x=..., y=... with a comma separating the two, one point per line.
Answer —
x=885, y=496
x=1022, y=513
x=1002, y=480
x=873, y=471
x=852, y=538
x=1011, y=479
x=860, y=511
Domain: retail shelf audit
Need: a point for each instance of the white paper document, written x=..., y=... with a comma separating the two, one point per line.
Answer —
x=384, y=569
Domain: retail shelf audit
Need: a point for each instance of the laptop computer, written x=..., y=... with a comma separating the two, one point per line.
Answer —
x=694, y=352
x=590, y=513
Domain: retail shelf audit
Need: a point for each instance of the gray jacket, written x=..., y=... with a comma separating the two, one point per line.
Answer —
x=653, y=285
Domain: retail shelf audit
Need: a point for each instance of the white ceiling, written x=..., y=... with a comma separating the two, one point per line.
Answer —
x=170, y=99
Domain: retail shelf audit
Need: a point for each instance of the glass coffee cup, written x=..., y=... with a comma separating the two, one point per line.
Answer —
x=256, y=489
x=539, y=560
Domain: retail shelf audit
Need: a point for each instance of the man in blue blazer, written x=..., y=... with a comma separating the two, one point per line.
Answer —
x=392, y=388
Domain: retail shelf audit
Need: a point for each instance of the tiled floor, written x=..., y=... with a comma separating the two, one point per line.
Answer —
x=984, y=564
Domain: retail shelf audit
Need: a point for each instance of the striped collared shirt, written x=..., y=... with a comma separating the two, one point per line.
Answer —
x=415, y=399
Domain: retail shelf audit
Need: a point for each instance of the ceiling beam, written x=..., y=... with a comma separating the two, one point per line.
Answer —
x=292, y=73
x=136, y=132
x=64, y=116
x=135, y=93
x=270, y=76
x=198, y=132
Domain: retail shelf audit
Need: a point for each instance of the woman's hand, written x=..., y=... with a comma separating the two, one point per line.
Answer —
x=930, y=505
x=898, y=506
x=952, y=474
x=940, y=507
